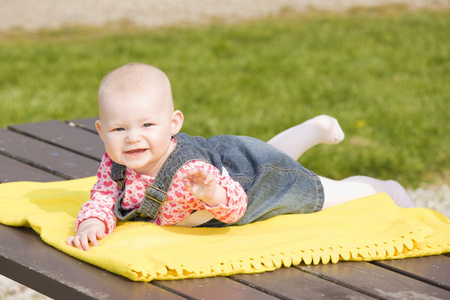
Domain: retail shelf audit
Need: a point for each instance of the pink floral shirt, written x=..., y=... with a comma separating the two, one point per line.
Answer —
x=179, y=204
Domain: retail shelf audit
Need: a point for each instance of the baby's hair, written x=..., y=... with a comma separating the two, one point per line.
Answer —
x=134, y=78
x=131, y=76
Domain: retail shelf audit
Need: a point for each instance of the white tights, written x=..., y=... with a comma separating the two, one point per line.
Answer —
x=296, y=140
x=324, y=129
x=351, y=188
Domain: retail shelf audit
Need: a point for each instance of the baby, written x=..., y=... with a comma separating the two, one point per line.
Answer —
x=151, y=172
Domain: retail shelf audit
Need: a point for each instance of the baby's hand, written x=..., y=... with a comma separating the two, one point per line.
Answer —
x=89, y=230
x=202, y=185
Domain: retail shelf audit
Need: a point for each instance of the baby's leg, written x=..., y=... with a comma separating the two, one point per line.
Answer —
x=296, y=140
x=337, y=192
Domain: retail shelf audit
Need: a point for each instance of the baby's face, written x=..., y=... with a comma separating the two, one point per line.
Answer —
x=136, y=128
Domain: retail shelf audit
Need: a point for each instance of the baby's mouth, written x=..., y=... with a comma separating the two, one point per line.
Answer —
x=135, y=151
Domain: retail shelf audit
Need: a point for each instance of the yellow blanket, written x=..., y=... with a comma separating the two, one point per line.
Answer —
x=371, y=228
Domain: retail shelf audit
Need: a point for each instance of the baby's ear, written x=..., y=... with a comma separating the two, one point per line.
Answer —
x=177, y=122
x=98, y=126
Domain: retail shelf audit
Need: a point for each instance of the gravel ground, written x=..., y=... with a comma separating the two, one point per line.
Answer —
x=33, y=15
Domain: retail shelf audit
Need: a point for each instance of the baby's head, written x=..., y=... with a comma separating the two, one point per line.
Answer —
x=137, y=114
x=124, y=83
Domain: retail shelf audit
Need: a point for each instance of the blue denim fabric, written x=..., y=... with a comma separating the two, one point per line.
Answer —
x=275, y=183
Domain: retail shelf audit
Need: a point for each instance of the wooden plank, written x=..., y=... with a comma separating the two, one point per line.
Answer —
x=13, y=170
x=26, y=259
x=47, y=157
x=214, y=288
x=88, y=124
x=292, y=283
x=431, y=269
x=378, y=282
x=63, y=135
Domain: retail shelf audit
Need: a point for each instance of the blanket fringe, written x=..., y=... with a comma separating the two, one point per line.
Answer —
x=258, y=264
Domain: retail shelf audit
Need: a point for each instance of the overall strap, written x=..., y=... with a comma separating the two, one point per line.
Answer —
x=119, y=174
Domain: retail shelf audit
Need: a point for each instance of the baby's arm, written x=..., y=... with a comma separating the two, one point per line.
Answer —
x=96, y=217
x=89, y=231
x=202, y=185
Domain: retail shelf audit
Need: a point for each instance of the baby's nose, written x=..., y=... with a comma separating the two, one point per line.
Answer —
x=133, y=136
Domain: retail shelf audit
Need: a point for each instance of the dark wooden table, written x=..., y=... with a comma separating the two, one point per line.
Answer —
x=51, y=151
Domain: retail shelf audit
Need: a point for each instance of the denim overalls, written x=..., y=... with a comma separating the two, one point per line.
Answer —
x=275, y=183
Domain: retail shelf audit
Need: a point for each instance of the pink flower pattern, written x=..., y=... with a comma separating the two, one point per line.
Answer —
x=179, y=204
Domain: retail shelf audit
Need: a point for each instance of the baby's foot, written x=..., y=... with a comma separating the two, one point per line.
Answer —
x=329, y=129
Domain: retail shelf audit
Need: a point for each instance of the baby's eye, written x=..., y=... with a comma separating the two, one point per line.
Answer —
x=119, y=129
x=147, y=125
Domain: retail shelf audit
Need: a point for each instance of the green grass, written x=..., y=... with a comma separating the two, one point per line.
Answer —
x=383, y=73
